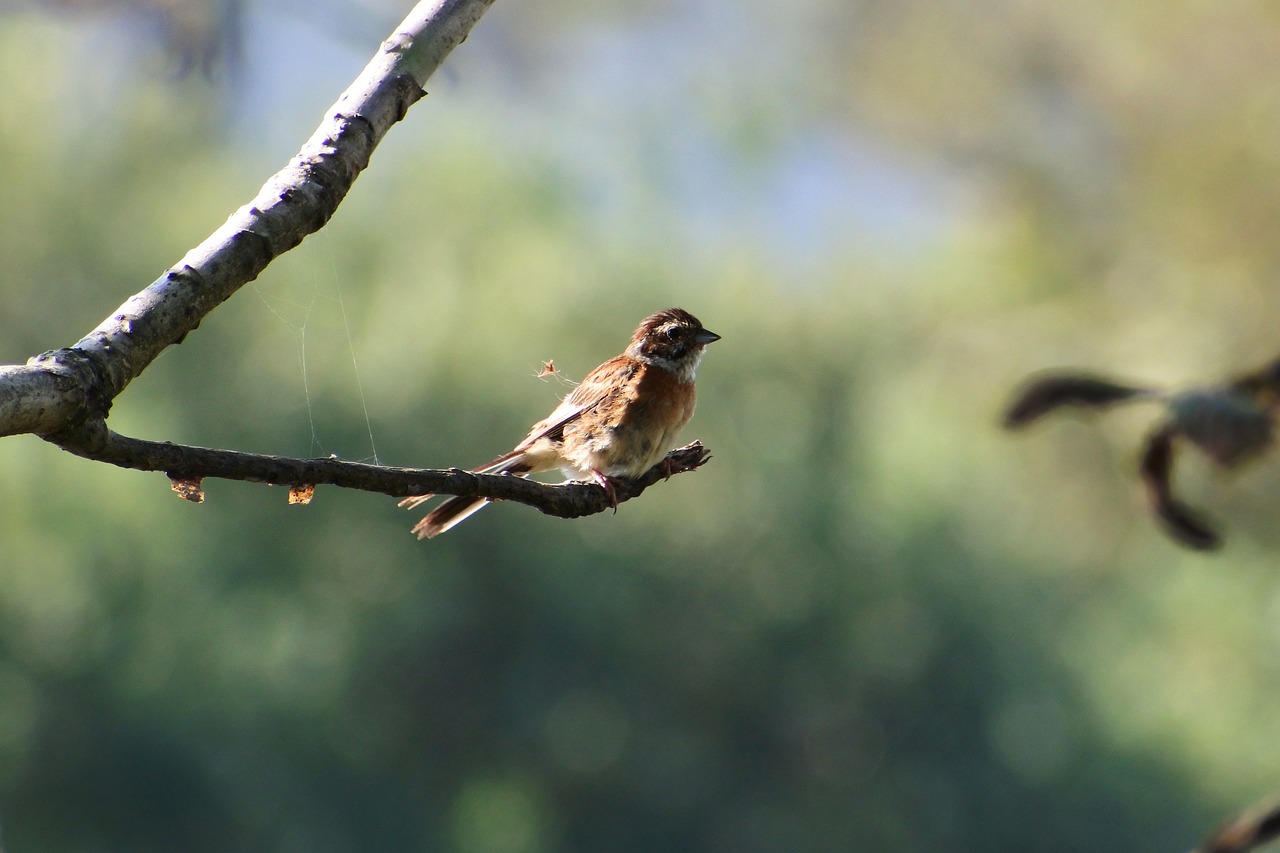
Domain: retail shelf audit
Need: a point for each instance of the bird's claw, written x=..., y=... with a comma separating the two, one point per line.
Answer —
x=606, y=483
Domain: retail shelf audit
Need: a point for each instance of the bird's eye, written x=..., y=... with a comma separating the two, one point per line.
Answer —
x=672, y=333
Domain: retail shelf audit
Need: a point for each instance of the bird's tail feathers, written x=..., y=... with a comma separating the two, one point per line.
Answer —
x=452, y=512
x=456, y=509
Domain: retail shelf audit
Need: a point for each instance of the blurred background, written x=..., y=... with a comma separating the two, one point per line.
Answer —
x=873, y=622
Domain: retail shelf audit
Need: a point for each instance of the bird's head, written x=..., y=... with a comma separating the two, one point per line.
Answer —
x=672, y=339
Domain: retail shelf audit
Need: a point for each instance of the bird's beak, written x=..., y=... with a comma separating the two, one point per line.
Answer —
x=705, y=336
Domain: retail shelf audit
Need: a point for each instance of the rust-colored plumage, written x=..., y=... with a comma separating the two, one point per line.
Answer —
x=619, y=422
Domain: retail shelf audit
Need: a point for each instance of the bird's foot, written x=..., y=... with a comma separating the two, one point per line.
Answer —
x=606, y=483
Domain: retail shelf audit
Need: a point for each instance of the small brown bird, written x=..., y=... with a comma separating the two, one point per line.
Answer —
x=619, y=422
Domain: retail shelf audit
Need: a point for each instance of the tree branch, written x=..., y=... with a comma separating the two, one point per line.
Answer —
x=58, y=392
x=188, y=465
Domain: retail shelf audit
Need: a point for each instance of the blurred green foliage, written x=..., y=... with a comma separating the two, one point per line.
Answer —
x=872, y=622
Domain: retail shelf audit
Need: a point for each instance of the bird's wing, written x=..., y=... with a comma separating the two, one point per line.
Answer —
x=600, y=387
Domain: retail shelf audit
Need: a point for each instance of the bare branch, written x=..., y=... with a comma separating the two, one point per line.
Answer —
x=296, y=201
x=187, y=464
x=40, y=397
x=57, y=393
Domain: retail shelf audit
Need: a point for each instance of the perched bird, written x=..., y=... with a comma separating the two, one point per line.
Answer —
x=619, y=422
